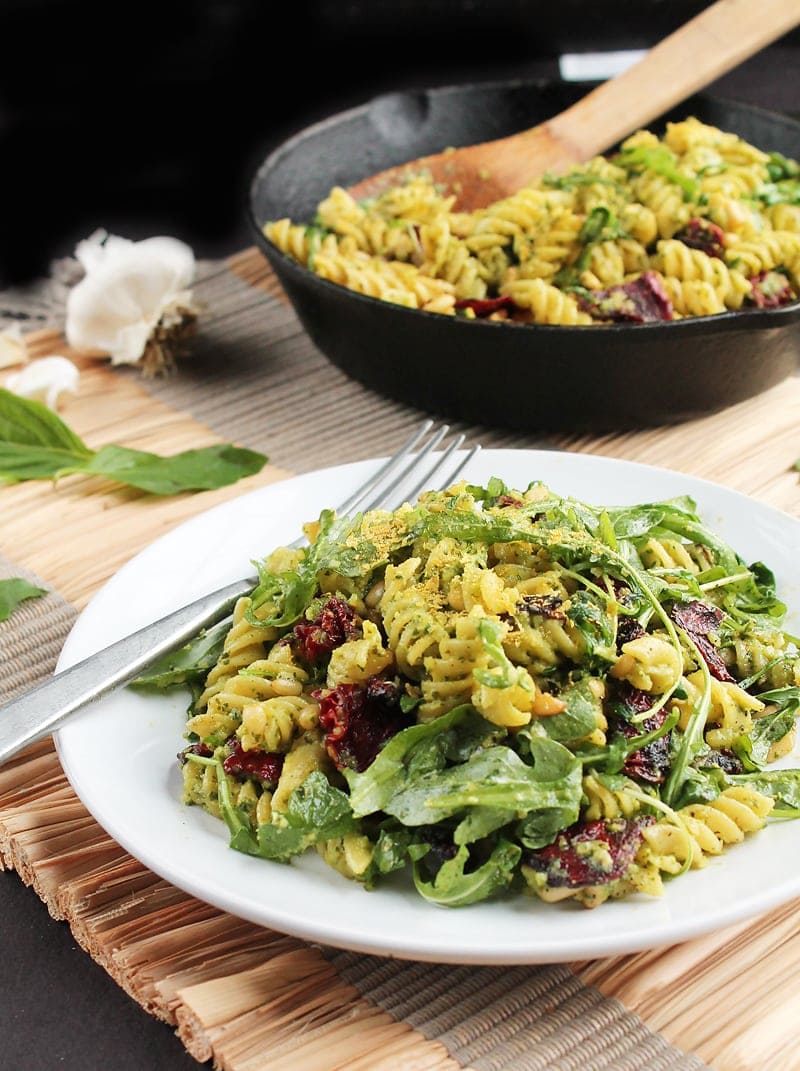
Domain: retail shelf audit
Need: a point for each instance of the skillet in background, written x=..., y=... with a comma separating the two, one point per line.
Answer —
x=522, y=377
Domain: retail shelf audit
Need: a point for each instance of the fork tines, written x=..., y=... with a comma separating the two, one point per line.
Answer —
x=418, y=461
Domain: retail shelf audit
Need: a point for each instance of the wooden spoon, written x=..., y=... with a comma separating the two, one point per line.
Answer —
x=706, y=47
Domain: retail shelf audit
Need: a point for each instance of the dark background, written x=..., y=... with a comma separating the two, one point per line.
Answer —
x=150, y=117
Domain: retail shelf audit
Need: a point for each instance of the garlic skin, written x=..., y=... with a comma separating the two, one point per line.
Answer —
x=135, y=300
x=45, y=380
x=13, y=347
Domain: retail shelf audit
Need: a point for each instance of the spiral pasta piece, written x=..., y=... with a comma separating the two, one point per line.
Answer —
x=706, y=829
x=414, y=628
x=445, y=257
x=272, y=724
x=731, y=709
x=677, y=261
x=306, y=756
x=450, y=675
x=604, y=802
x=547, y=304
x=350, y=855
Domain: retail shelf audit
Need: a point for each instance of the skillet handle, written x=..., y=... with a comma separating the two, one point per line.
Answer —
x=688, y=60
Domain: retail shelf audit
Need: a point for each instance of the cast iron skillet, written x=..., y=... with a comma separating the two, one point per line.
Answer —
x=522, y=377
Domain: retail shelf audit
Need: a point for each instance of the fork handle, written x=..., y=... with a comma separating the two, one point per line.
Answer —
x=40, y=710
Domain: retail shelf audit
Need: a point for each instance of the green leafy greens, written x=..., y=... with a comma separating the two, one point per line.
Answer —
x=36, y=444
x=15, y=590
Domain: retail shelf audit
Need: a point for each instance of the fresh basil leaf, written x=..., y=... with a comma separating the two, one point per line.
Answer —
x=453, y=887
x=193, y=470
x=24, y=462
x=36, y=444
x=13, y=591
x=29, y=423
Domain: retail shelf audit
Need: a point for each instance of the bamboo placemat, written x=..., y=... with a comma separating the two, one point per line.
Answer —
x=242, y=996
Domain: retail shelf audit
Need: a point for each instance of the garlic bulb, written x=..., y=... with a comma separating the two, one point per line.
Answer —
x=45, y=380
x=135, y=301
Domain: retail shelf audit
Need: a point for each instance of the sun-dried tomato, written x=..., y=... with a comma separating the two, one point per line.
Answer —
x=628, y=628
x=700, y=621
x=651, y=762
x=336, y=622
x=441, y=848
x=358, y=719
x=264, y=766
x=485, y=306
x=194, y=749
x=543, y=606
x=771, y=289
x=589, y=853
x=642, y=300
x=727, y=760
x=704, y=235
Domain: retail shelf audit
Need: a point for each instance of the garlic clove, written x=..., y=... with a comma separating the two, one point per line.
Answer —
x=13, y=347
x=45, y=380
x=130, y=290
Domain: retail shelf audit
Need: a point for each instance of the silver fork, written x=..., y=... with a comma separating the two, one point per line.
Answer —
x=39, y=711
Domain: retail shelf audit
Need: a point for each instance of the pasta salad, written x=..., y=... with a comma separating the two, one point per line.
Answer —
x=696, y=222
x=497, y=691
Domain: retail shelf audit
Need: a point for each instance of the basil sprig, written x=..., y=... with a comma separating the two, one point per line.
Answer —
x=36, y=444
x=13, y=591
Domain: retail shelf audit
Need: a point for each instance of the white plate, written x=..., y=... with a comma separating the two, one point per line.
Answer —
x=120, y=755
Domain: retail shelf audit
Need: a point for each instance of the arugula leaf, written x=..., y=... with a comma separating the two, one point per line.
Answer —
x=507, y=675
x=494, y=777
x=781, y=167
x=591, y=619
x=611, y=757
x=782, y=785
x=13, y=591
x=36, y=444
x=315, y=811
x=573, y=179
x=338, y=548
x=701, y=784
x=372, y=789
x=489, y=494
x=753, y=748
x=580, y=717
x=453, y=887
x=660, y=159
x=188, y=663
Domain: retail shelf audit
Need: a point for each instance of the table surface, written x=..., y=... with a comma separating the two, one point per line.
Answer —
x=60, y=1009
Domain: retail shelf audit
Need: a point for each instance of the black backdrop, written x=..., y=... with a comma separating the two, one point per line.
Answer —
x=150, y=117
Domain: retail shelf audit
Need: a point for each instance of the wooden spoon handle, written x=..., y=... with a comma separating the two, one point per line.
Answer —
x=703, y=49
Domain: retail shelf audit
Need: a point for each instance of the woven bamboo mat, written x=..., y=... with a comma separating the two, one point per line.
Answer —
x=247, y=998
